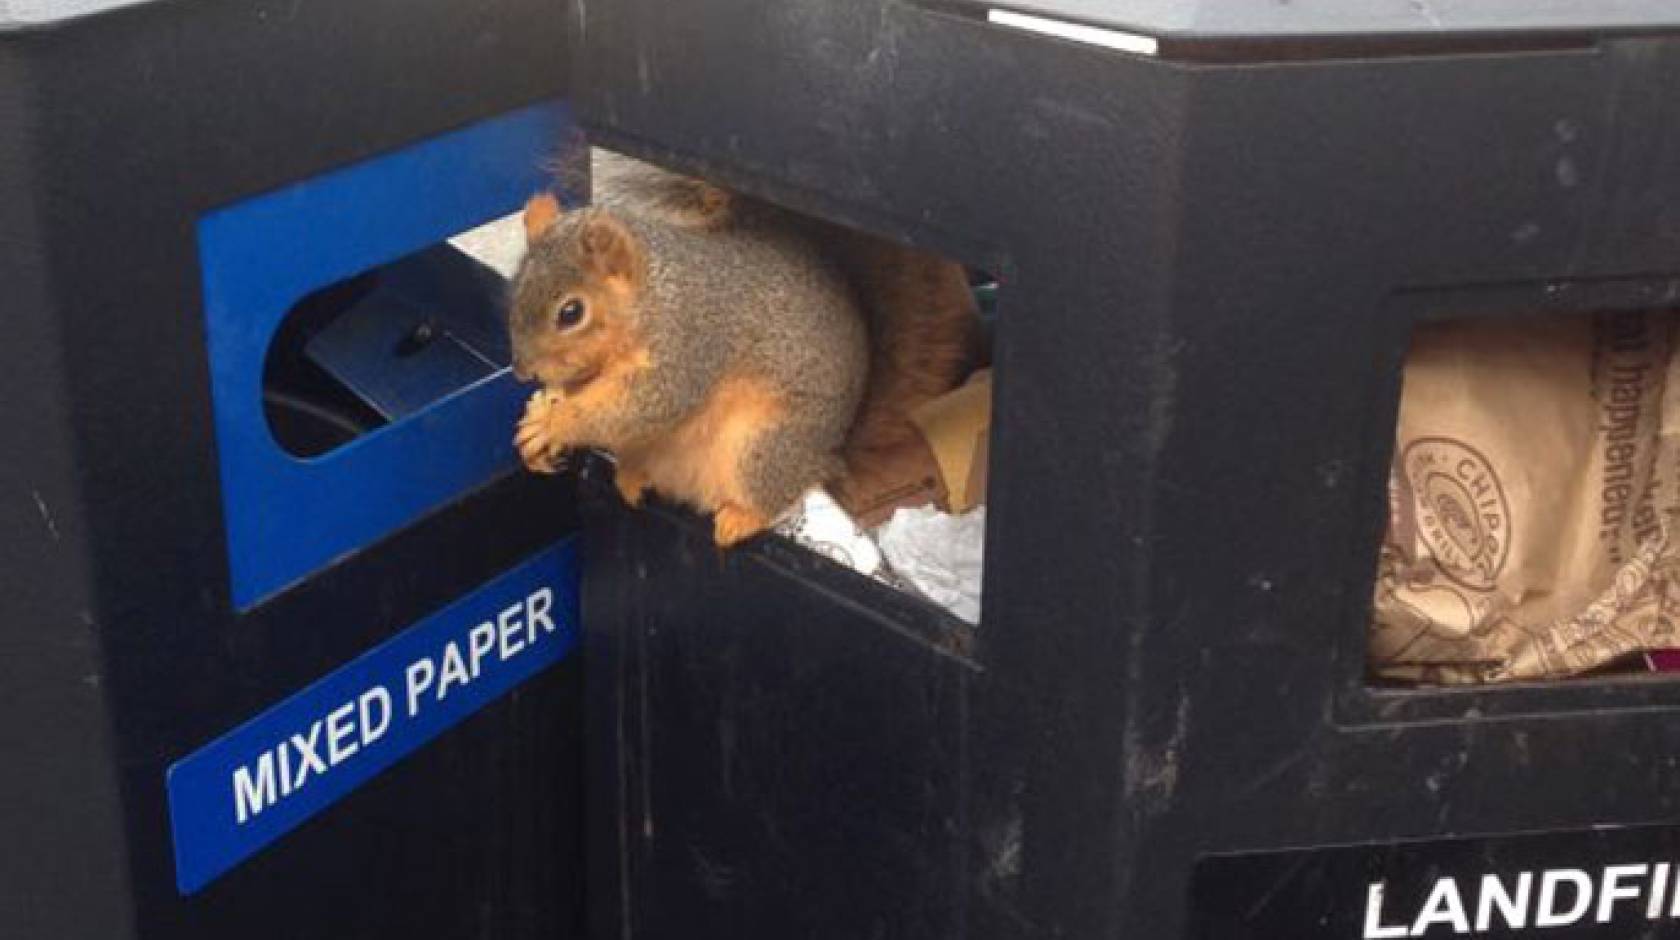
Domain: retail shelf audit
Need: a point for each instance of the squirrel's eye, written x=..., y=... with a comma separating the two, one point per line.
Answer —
x=570, y=314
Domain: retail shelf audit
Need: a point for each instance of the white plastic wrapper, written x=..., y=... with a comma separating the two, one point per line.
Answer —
x=938, y=554
x=818, y=523
x=919, y=550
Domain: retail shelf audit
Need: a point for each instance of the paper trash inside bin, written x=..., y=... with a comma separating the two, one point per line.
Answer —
x=918, y=525
x=957, y=427
x=819, y=524
x=1532, y=500
x=939, y=554
x=945, y=466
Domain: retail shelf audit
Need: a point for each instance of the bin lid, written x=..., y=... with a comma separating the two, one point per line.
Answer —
x=1281, y=18
x=27, y=14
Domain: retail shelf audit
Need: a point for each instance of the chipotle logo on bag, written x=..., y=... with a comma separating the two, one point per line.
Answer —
x=1460, y=510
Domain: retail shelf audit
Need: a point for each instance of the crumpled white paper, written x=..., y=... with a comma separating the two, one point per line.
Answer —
x=938, y=554
x=821, y=525
x=919, y=550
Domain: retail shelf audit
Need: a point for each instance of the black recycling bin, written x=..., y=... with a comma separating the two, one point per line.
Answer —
x=285, y=631
x=1211, y=258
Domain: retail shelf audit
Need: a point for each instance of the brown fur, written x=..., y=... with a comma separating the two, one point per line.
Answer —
x=698, y=462
x=611, y=270
x=541, y=212
x=553, y=423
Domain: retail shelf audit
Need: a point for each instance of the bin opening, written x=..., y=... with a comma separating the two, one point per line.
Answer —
x=1533, y=502
x=384, y=344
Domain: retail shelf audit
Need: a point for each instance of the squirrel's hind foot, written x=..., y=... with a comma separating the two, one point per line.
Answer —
x=632, y=485
x=735, y=524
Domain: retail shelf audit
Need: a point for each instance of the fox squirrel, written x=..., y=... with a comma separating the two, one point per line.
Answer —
x=729, y=354
x=924, y=326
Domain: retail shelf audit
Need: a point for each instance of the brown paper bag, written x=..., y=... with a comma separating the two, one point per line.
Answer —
x=1533, y=500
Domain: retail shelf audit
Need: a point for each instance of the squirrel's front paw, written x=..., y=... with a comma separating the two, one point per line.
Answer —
x=536, y=444
x=536, y=451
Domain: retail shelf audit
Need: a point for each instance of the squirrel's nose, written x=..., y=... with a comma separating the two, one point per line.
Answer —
x=521, y=371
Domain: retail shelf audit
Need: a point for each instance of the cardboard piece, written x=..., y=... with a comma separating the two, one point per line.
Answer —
x=944, y=467
x=957, y=427
x=1532, y=500
x=908, y=476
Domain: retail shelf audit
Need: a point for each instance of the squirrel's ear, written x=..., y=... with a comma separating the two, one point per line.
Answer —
x=541, y=212
x=611, y=249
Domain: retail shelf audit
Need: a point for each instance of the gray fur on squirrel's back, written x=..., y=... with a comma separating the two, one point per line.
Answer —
x=755, y=300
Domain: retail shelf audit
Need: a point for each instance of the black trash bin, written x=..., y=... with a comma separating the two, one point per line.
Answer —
x=284, y=637
x=1212, y=258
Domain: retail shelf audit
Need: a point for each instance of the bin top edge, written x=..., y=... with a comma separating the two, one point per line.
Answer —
x=36, y=14
x=1235, y=19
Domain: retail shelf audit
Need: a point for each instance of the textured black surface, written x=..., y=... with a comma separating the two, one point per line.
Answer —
x=1209, y=275
x=779, y=759
x=118, y=652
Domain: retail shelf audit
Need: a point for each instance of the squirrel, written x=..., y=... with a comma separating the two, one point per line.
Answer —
x=721, y=369
x=729, y=354
x=923, y=320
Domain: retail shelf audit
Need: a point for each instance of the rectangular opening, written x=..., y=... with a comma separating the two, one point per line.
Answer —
x=1533, y=499
x=387, y=343
x=306, y=290
x=907, y=511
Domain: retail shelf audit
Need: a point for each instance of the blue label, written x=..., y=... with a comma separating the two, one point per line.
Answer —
x=254, y=784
